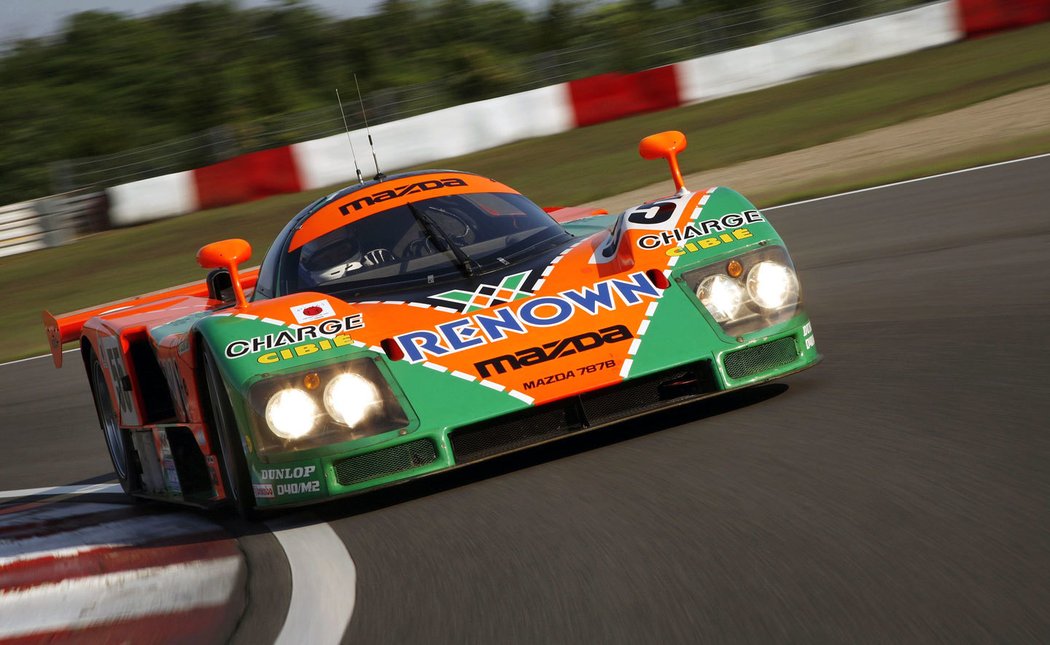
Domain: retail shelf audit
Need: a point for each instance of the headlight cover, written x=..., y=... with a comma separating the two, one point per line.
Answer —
x=766, y=292
x=772, y=285
x=291, y=413
x=332, y=404
x=351, y=398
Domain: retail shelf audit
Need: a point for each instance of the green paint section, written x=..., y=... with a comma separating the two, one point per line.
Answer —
x=682, y=331
x=434, y=401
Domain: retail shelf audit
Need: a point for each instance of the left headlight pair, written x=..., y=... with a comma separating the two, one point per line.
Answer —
x=338, y=403
x=749, y=292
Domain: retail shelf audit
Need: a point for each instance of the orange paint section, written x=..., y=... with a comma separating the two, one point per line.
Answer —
x=66, y=327
x=390, y=194
x=667, y=145
x=568, y=374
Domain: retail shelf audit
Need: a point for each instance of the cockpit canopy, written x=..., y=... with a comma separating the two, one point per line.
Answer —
x=409, y=231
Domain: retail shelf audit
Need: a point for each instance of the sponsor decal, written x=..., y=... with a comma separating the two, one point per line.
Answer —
x=213, y=471
x=807, y=333
x=276, y=481
x=167, y=462
x=509, y=289
x=302, y=350
x=114, y=359
x=296, y=488
x=170, y=368
x=555, y=349
x=276, y=474
x=263, y=490
x=312, y=311
x=399, y=191
x=333, y=328
x=545, y=311
x=696, y=236
x=564, y=376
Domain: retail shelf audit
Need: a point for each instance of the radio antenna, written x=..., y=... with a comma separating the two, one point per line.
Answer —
x=360, y=177
x=379, y=174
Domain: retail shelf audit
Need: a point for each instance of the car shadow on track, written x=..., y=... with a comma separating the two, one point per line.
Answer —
x=541, y=454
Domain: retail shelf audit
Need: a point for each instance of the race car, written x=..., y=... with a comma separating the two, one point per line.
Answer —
x=414, y=323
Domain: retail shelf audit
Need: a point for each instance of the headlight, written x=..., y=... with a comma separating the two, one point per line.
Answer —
x=291, y=413
x=748, y=292
x=350, y=398
x=721, y=295
x=771, y=285
x=324, y=404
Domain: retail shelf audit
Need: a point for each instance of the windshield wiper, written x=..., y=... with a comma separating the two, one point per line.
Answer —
x=435, y=232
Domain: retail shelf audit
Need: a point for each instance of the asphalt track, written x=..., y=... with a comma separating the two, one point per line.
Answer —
x=897, y=492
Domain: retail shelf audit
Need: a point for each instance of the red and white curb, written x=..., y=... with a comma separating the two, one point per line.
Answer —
x=324, y=583
x=96, y=572
x=100, y=572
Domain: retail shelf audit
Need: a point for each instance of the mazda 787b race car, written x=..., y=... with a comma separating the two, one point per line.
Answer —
x=414, y=323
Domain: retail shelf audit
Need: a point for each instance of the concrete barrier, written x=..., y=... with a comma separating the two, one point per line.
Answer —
x=445, y=133
x=981, y=17
x=608, y=97
x=472, y=127
x=153, y=198
x=785, y=59
x=247, y=177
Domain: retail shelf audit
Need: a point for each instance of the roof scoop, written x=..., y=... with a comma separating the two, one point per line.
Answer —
x=666, y=145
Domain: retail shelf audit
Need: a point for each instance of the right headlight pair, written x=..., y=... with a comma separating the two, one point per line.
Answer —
x=349, y=399
x=336, y=403
x=749, y=292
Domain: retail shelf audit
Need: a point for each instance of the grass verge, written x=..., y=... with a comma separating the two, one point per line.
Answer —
x=577, y=166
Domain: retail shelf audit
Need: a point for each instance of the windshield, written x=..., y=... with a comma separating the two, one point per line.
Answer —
x=425, y=241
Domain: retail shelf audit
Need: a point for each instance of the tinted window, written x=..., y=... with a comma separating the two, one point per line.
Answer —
x=393, y=248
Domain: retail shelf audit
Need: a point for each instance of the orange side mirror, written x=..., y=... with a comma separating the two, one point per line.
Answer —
x=227, y=254
x=665, y=145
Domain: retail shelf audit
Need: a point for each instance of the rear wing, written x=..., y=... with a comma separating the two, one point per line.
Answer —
x=66, y=328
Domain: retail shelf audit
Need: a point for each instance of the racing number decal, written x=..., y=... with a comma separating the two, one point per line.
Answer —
x=653, y=214
x=176, y=384
x=118, y=375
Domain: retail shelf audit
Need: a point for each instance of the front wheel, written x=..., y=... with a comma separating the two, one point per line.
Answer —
x=224, y=430
x=117, y=440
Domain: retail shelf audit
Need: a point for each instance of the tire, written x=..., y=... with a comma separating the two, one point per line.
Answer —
x=118, y=442
x=224, y=431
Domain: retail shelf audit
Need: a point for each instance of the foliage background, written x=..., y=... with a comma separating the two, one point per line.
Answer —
x=205, y=81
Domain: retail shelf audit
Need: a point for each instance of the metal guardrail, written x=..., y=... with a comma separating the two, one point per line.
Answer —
x=51, y=221
x=20, y=229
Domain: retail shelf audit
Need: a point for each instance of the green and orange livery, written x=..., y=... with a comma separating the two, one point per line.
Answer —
x=411, y=324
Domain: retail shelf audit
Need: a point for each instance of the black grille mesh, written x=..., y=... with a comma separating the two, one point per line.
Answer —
x=637, y=396
x=485, y=440
x=383, y=462
x=592, y=409
x=753, y=360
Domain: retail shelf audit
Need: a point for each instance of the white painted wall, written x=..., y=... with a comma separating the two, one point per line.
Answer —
x=785, y=59
x=486, y=124
x=445, y=133
x=153, y=198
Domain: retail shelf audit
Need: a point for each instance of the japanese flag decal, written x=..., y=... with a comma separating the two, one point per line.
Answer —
x=312, y=311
